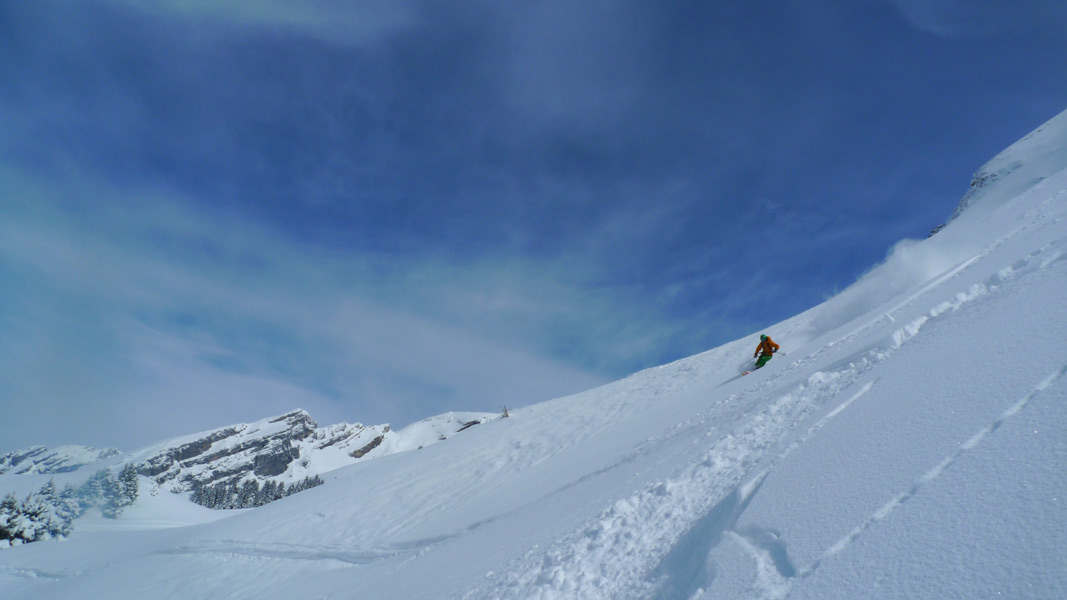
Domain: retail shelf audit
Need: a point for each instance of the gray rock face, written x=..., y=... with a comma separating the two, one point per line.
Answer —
x=979, y=183
x=370, y=446
x=1021, y=166
x=277, y=454
x=265, y=449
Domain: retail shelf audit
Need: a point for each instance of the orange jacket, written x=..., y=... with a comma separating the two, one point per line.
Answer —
x=767, y=346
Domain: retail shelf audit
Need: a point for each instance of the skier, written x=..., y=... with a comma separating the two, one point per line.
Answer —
x=768, y=348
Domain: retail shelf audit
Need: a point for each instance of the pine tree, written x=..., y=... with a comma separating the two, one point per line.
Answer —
x=34, y=518
x=49, y=513
x=50, y=520
x=111, y=507
x=220, y=496
x=92, y=491
x=128, y=487
x=9, y=514
x=280, y=491
x=211, y=496
x=233, y=494
x=266, y=493
x=67, y=509
x=43, y=514
x=119, y=492
x=247, y=496
x=198, y=495
x=19, y=528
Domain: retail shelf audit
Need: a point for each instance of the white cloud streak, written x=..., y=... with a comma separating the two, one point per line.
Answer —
x=128, y=321
x=956, y=19
x=336, y=21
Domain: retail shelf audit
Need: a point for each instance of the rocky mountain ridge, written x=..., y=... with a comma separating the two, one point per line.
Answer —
x=287, y=449
x=264, y=449
x=47, y=461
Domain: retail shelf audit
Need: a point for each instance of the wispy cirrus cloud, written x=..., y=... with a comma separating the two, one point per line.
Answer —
x=128, y=305
x=382, y=210
x=349, y=23
x=974, y=18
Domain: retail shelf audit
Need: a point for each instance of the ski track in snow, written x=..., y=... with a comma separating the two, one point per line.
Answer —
x=676, y=522
x=341, y=555
x=9, y=572
x=935, y=472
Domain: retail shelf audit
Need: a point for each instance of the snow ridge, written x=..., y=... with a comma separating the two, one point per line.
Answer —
x=1034, y=158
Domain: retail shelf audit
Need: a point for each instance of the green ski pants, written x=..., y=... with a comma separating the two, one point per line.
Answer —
x=762, y=360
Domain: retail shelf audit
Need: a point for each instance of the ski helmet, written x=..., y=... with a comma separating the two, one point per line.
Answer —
x=763, y=337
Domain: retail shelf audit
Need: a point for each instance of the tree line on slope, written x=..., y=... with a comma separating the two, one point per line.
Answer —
x=49, y=513
x=248, y=494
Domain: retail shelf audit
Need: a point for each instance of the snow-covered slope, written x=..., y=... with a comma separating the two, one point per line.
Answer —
x=44, y=460
x=910, y=444
x=1039, y=155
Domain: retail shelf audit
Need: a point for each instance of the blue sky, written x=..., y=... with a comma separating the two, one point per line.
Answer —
x=384, y=210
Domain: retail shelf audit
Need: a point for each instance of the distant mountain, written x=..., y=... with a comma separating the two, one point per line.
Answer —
x=283, y=449
x=287, y=452
x=44, y=460
x=238, y=466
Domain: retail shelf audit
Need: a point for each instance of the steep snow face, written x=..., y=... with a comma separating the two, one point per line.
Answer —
x=43, y=460
x=908, y=443
x=1021, y=166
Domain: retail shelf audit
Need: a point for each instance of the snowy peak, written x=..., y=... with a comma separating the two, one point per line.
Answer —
x=45, y=461
x=432, y=430
x=1024, y=164
x=285, y=449
x=284, y=445
x=239, y=466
